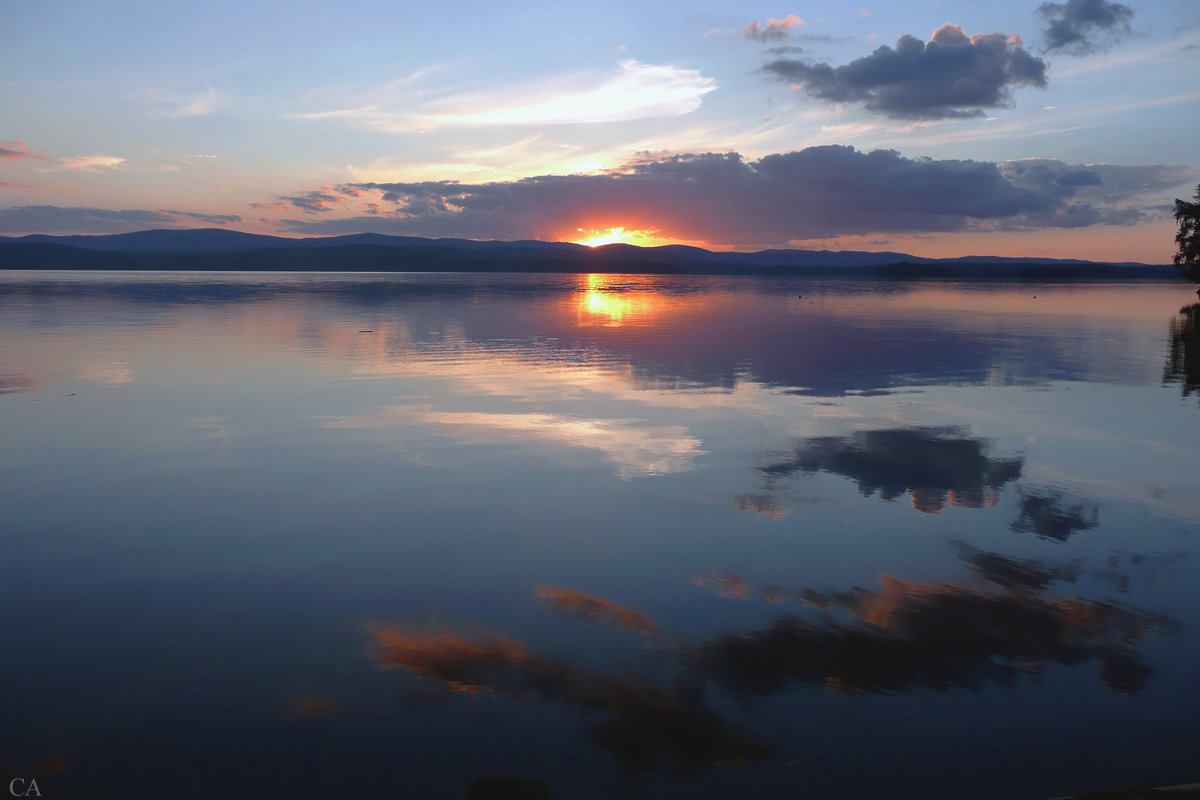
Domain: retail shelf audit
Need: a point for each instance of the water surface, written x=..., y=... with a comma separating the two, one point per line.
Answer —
x=381, y=535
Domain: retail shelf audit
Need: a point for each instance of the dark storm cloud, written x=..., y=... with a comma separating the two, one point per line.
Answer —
x=1084, y=26
x=62, y=219
x=950, y=76
x=723, y=199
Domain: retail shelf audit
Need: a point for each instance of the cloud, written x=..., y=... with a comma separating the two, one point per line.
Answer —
x=197, y=105
x=938, y=636
x=1084, y=26
x=113, y=373
x=760, y=503
x=1016, y=574
x=61, y=219
x=315, y=201
x=721, y=198
x=15, y=150
x=950, y=76
x=633, y=448
x=634, y=91
x=722, y=585
x=934, y=466
x=1048, y=515
x=14, y=382
x=177, y=105
x=213, y=219
x=775, y=30
x=593, y=609
x=1090, y=195
x=646, y=727
x=91, y=163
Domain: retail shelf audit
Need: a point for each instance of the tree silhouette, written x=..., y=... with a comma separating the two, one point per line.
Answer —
x=1188, y=258
x=1183, y=359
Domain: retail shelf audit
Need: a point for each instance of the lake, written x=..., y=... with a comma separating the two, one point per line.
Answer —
x=382, y=535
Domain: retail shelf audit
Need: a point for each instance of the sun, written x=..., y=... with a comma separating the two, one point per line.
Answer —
x=611, y=236
x=639, y=237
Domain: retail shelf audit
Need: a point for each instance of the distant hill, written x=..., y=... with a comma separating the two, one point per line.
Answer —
x=219, y=249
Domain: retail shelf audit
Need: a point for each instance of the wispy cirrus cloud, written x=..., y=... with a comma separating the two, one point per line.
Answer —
x=952, y=76
x=180, y=104
x=635, y=90
x=198, y=105
x=19, y=150
x=95, y=163
x=631, y=446
x=773, y=30
x=368, y=112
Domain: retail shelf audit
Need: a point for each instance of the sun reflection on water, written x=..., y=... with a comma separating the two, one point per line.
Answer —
x=616, y=300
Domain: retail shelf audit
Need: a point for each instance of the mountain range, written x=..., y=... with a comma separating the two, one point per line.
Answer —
x=220, y=249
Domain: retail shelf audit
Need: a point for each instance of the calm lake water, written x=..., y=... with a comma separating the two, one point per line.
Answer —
x=373, y=536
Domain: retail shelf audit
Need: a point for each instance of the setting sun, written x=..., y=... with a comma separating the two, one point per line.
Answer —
x=612, y=236
x=596, y=237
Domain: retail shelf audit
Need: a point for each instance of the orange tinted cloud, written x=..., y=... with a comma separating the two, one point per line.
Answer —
x=13, y=382
x=592, y=609
x=440, y=654
x=722, y=585
x=763, y=504
x=644, y=726
x=773, y=30
x=16, y=150
x=312, y=706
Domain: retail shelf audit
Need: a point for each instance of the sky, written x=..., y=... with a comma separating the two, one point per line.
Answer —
x=938, y=128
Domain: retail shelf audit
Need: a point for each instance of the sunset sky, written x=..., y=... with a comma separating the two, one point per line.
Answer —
x=944, y=128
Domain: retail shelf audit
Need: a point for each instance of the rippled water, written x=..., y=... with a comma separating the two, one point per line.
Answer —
x=380, y=536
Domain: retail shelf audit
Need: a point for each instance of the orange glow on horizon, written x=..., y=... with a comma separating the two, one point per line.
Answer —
x=639, y=237
x=611, y=236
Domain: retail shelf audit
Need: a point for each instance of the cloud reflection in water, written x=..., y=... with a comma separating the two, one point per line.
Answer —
x=1050, y=516
x=908, y=635
x=935, y=466
x=590, y=608
x=646, y=727
x=632, y=446
x=1001, y=624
